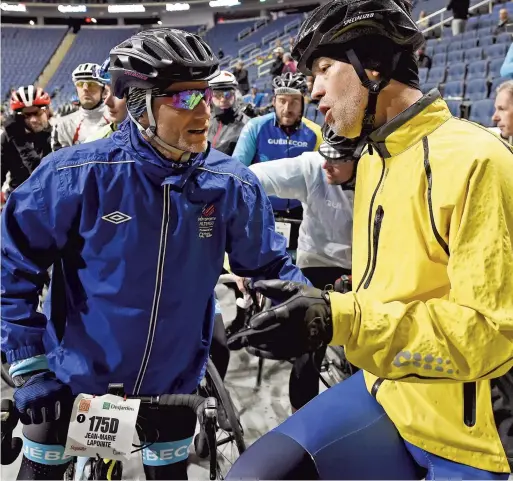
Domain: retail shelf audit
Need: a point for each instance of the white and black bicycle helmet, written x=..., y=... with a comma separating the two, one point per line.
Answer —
x=87, y=71
x=289, y=83
x=224, y=81
x=369, y=34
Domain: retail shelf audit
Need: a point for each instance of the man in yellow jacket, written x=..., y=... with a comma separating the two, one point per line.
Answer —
x=430, y=318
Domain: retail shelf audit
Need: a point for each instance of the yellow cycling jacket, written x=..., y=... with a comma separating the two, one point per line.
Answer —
x=430, y=319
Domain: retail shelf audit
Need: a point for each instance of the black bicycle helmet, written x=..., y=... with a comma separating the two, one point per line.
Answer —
x=159, y=57
x=289, y=83
x=342, y=21
x=372, y=34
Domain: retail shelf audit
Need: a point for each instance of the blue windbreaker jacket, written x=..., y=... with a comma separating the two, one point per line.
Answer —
x=262, y=139
x=138, y=248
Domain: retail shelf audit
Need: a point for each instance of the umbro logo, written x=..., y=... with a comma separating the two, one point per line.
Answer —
x=116, y=217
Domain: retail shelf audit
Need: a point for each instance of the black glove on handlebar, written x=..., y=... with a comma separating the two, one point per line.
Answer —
x=302, y=323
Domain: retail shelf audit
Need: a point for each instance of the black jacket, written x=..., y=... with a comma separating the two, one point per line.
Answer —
x=459, y=8
x=242, y=79
x=21, y=152
x=277, y=67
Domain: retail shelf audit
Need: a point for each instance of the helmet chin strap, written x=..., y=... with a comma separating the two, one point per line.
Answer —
x=374, y=88
x=151, y=131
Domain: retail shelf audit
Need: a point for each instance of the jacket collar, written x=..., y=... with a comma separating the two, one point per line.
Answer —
x=158, y=168
x=409, y=127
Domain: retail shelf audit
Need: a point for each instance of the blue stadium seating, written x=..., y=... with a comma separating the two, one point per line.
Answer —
x=92, y=44
x=495, y=83
x=428, y=86
x=441, y=48
x=456, y=71
x=454, y=107
x=439, y=60
x=474, y=54
x=496, y=51
x=485, y=31
x=478, y=69
x=504, y=38
x=495, y=67
x=482, y=111
x=436, y=75
x=455, y=56
x=454, y=89
x=476, y=89
x=455, y=45
x=25, y=53
x=486, y=41
x=469, y=43
x=423, y=75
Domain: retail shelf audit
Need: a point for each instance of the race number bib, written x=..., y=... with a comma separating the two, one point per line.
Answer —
x=103, y=426
x=284, y=228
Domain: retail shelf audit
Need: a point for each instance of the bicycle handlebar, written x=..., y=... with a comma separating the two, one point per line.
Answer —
x=287, y=220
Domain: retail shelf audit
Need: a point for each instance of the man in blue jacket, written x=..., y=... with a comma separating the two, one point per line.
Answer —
x=136, y=227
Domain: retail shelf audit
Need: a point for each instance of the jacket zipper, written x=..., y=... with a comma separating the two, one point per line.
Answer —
x=158, y=289
x=378, y=219
x=216, y=136
x=469, y=403
x=371, y=208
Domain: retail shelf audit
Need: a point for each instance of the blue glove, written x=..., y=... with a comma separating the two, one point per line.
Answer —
x=42, y=398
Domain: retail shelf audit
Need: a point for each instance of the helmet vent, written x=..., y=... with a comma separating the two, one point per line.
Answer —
x=149, y=50
x=193, y=44
x=140, y=66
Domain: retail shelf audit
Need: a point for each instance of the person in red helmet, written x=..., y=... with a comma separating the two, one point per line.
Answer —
x=26, y=136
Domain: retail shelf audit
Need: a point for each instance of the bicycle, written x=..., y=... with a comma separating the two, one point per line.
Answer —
x=5, y=371
x=205, y=410
x=228, y=426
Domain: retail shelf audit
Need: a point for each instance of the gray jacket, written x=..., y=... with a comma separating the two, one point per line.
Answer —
x=325, y=235
x=75, y=128
x=224, y=130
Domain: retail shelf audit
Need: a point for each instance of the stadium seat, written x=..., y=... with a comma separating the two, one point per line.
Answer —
x=472, y=24
x=455, y=56
x=455, y=45
x=495, y=67
x=439, y=60
x=423, y=72
x=481, y=111
x=440, y=48
x=436, y=75
x=456, y=71
x=432, y=42
x=486, y=21
x=478, y=69
x=469, y=43
x=486, y=41
x=496, y=51
x=504, y=38
x=468, y=35
x=428, y=86
x=476, y=89
x=485, y=31
x=474, y=54
x=454, y=107
x=454, y=90
x=495, y=84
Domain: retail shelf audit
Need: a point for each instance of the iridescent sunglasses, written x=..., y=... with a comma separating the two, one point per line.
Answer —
x=187, y=99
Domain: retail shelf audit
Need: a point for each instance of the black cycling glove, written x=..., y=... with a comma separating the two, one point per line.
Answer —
x=302, y=323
